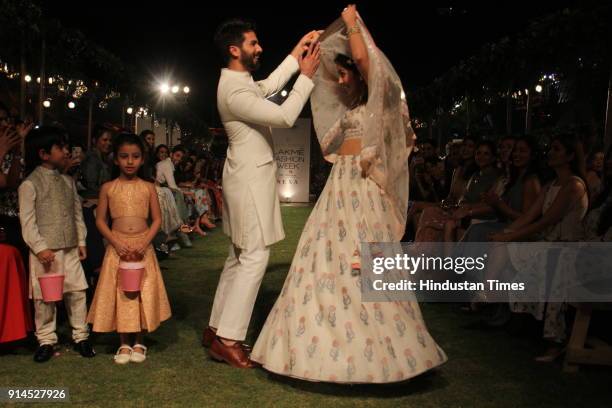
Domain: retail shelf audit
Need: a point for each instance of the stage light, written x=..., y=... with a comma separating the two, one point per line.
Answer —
x=175, y=89
x=28, y=78
x=164, y=88
x=186, y=90
x=47, y=103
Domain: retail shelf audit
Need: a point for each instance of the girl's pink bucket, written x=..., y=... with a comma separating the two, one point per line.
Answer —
x=130, y=276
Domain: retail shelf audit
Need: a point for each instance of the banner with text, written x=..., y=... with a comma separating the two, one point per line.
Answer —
x=292, y=155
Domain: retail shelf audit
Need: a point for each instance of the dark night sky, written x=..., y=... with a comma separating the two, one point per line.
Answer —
x=421, y=39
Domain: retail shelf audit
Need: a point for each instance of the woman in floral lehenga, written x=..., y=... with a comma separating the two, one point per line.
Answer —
x=196, y=199
x=319, y=329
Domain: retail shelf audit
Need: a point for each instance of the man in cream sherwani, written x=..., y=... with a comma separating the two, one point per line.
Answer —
x=251, y=209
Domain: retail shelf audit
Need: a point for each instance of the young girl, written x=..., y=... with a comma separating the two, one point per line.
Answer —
x=130, y=202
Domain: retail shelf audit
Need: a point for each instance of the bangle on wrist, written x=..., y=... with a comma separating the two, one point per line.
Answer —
x=353, y=30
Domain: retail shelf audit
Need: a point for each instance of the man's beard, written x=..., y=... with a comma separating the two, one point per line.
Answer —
x=248, y=60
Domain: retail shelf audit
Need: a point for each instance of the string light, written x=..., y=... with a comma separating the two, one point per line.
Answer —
x=63, y=86
x=80, y=90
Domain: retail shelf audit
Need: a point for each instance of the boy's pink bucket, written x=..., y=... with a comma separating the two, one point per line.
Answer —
x=130, y=276
x=52, y=286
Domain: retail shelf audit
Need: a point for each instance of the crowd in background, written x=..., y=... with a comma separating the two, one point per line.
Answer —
x=188, y=187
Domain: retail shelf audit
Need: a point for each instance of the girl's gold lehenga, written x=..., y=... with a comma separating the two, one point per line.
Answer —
x=112, y=309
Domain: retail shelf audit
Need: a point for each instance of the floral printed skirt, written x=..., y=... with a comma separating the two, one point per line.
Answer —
x=197, y=204
x=318, y=329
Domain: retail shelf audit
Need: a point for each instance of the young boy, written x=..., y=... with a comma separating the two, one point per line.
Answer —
x=52, y=225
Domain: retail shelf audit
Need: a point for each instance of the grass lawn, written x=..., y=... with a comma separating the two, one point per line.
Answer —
x=485, y=368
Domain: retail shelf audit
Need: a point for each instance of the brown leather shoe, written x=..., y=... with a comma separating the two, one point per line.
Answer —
x=208, y=336
x=234, y=355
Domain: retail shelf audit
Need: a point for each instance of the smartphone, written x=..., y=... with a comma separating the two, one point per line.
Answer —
x=76, y=152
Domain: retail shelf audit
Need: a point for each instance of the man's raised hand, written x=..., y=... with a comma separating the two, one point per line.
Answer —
x=310, y=62
x=306, y=41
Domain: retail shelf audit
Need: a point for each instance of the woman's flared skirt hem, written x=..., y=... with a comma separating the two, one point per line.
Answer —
x=397, y=379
